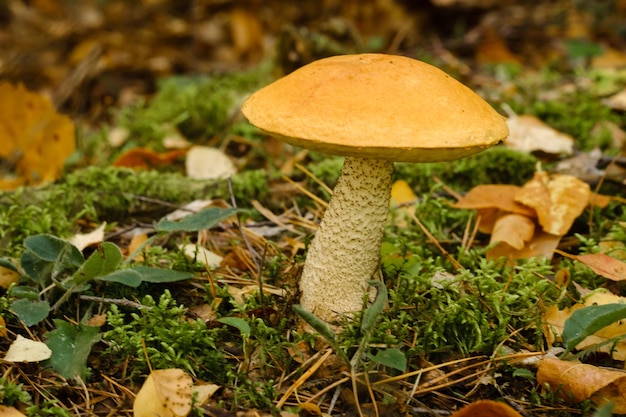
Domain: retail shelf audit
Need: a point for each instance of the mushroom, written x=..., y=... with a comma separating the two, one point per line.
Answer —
x=373, y=109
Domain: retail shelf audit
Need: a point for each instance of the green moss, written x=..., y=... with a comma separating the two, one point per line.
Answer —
x=113, y=195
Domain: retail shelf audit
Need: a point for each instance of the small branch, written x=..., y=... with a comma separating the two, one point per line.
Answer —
x=117, y=301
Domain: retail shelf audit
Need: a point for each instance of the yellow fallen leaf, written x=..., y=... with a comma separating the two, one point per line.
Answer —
x=3, y=328
x=165, y=393
x=203, y=162
x=402, y=200
x=557, y=199
x=554, y=321
x=36, y=140
x=8, y=277
x=580, y=382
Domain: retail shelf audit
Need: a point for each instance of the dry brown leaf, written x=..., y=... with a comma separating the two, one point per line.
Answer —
x=601, y=264
x=529, y=134
x=144, y=158
x=36, y=140
x=486, y=408
x=557, y=199
x=165, y=393
x=581, y=382
x=513, y=229
x=493, y=50
x=500, y=196
x=542, y=244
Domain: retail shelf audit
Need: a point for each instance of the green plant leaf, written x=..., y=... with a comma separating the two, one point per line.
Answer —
x=588, y=320
x=322, y=328
x=30, y=312
x=239, y=324
x=70, y=347
x=8, y=264
x=128, y=277
x=160, y=275
x=50, y=248
x=204, y=219
x=391, y=358
x=36, y=269
x=103, y=261
x=370, y=315
x=21, y=291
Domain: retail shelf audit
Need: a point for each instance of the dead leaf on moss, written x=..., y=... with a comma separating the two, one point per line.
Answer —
x=165, y=393
x=513, y=229
x=617, y=101
x=601, y=264
x=554, y=322
x=542, y=244
x=500, y=196
x=144, y=158
x=36, y=140
x=207, y=163
x=557, y=199
x=486, y=408
x=581, y=382
x=3, y=328
x=402, y=201
x=529, y=134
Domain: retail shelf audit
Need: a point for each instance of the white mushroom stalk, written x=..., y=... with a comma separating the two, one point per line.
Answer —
x=345, y=252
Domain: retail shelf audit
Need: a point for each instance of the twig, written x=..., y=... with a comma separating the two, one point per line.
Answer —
x=117, y=301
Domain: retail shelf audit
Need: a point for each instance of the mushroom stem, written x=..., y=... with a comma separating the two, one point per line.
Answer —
x=345, y=252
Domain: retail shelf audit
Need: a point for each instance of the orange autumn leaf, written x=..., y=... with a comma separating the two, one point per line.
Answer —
x=486, y=408
x=143, y=158
x=500, y=196
x=513, y=229
x=557, y=199
x=36, y=140
x=601, y=264
x=542, y=244
x=580, y=382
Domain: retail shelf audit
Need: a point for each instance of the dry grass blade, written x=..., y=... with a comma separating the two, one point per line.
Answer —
x=303, y=378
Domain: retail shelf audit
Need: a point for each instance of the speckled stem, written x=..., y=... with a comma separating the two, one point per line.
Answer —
x=345, y=252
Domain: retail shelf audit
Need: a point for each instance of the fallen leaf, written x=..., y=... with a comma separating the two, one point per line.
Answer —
x=492, y=49
x=36, y=140
x=8, y=277
x=202, y=255
x=580, y=382
x=499, y=196
x=542, y=244
x=402, y=201
x=165, y=393
x=557, y=199
x=3, y=328
x=486, y=408
x=144, y=158
x=207, y=163
x=27, y=350
x=617, y=101
x=513, y=229
x=554, y=322
x=6, y=411
x=82, y=240
x=203, y=392
x=601, y=264
x=529, y=134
